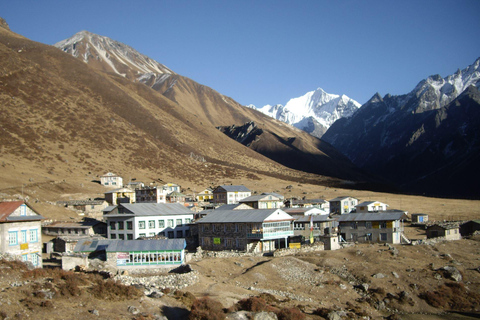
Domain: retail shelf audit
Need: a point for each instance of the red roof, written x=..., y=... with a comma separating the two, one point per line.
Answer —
x=7, y=208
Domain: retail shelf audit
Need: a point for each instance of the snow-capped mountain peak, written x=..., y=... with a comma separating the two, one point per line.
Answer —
x=314, y=112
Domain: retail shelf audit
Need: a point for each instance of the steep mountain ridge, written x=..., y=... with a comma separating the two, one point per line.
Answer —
x=207, y=105
x=313, y=112
x=413, y=138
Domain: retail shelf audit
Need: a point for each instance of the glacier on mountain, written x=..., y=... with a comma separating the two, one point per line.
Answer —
x=313, y=112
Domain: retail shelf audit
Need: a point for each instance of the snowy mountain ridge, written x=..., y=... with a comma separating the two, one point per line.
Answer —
x=313, y=112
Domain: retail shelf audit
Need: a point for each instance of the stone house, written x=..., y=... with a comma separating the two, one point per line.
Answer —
x=86, y=227
x=468, y=228
x=121, y=195
x=131, y=221
x=310, y=211
x=91, y=208
x=372, y=227
x=111, y=180
x=447, y=230
x=145, y=254
x=250, y=230
x=263, y=201
x=230, y=194
x=308, y=203
x=342, y=205
x=66, y=244
x=419, y=217
x=21, y=231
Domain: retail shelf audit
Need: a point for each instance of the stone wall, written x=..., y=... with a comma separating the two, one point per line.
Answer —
x=72, y=261
x=318, y=246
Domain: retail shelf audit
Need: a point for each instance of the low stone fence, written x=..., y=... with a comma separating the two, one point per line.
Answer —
x=304, y=249
x=431, y=241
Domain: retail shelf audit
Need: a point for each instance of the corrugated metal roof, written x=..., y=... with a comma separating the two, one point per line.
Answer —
x=371, y=216
x=240, y=215
x=120, y=190
x=259, y=197
x=155, y=209
x=130, y=245
x=239, y=188
x=316, y=218
x=342, y=198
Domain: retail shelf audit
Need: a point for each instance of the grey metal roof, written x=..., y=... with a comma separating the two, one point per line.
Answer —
x=316, y=218
x=342, y=198
x=371, y=216
x=109, y=208
x=239, y=188
x=120, y=190
x=153, y=209
x=240, y=215
x=130, y=245
x=24, y=218
x=258, y=198
x=228, y=206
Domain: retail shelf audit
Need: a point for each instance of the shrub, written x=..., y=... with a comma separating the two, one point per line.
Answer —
x=290, y=314
x=255, y=304
x=452, y=296
x=114, y=290
x=206, y=309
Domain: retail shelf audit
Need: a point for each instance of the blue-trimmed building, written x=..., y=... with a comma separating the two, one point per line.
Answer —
x=21, y=231
x=125, y=254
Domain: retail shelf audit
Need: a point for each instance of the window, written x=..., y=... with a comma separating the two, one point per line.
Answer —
x=121, y=236
x=151, y=224
x=141, y=224
x=23, y=236
x=129, y=225
x=120, y=225
x=23, y=210
x=178, y=222
x=12, y=238
x=113, y=236
x=179, y=234
x=151, y=234
x=170, y=235
x=383, y=237
x=142, y=235
x=34, y=235
x=161, y=223
x=34, y=258
x=24, y=257
x=170, y=223
x=354, y=225
x=112, y=225
x=383, y=225
x=188, y=220
x=129, y=236
x=368, y=225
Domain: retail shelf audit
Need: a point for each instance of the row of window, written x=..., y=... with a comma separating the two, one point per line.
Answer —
x=129, y=236
x=148, y=258
x=32, y=257
x=152, y=224
x=25, y=236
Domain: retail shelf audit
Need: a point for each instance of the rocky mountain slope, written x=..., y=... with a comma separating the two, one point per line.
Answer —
x=427, y=140
x=313, y=112
x=209, y=106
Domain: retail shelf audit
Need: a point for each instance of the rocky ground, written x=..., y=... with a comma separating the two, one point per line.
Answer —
x=365, y=281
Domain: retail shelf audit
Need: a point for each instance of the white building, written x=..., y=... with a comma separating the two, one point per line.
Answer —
x=21, y=231
x=111, y=180
x=343, y=205
x=156, y=194
x=132, y=221
x=230, y=194
x=371, y=206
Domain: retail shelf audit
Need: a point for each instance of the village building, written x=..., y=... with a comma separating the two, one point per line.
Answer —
x=309, y=211
x=446, y=230
x=205, y=196
x=419, y=217
x=468, y=228
x=176, y=197
x=86, y=227
x=372, y=227
x=263, y=201
x=135, y=185
x=111, y=180
x=308, y=203
x=144, y=254
x=342, y=205
x=121, y=195
x=21, y=232
x=66, y=244
x=171, y=187
x=230, y=194
x=317, y=228
x=139, y=220
x=91, y=208
x=370, y=206
x=249, y=230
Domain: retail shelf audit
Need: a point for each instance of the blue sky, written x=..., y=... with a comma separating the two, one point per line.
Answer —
x=267, y=52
